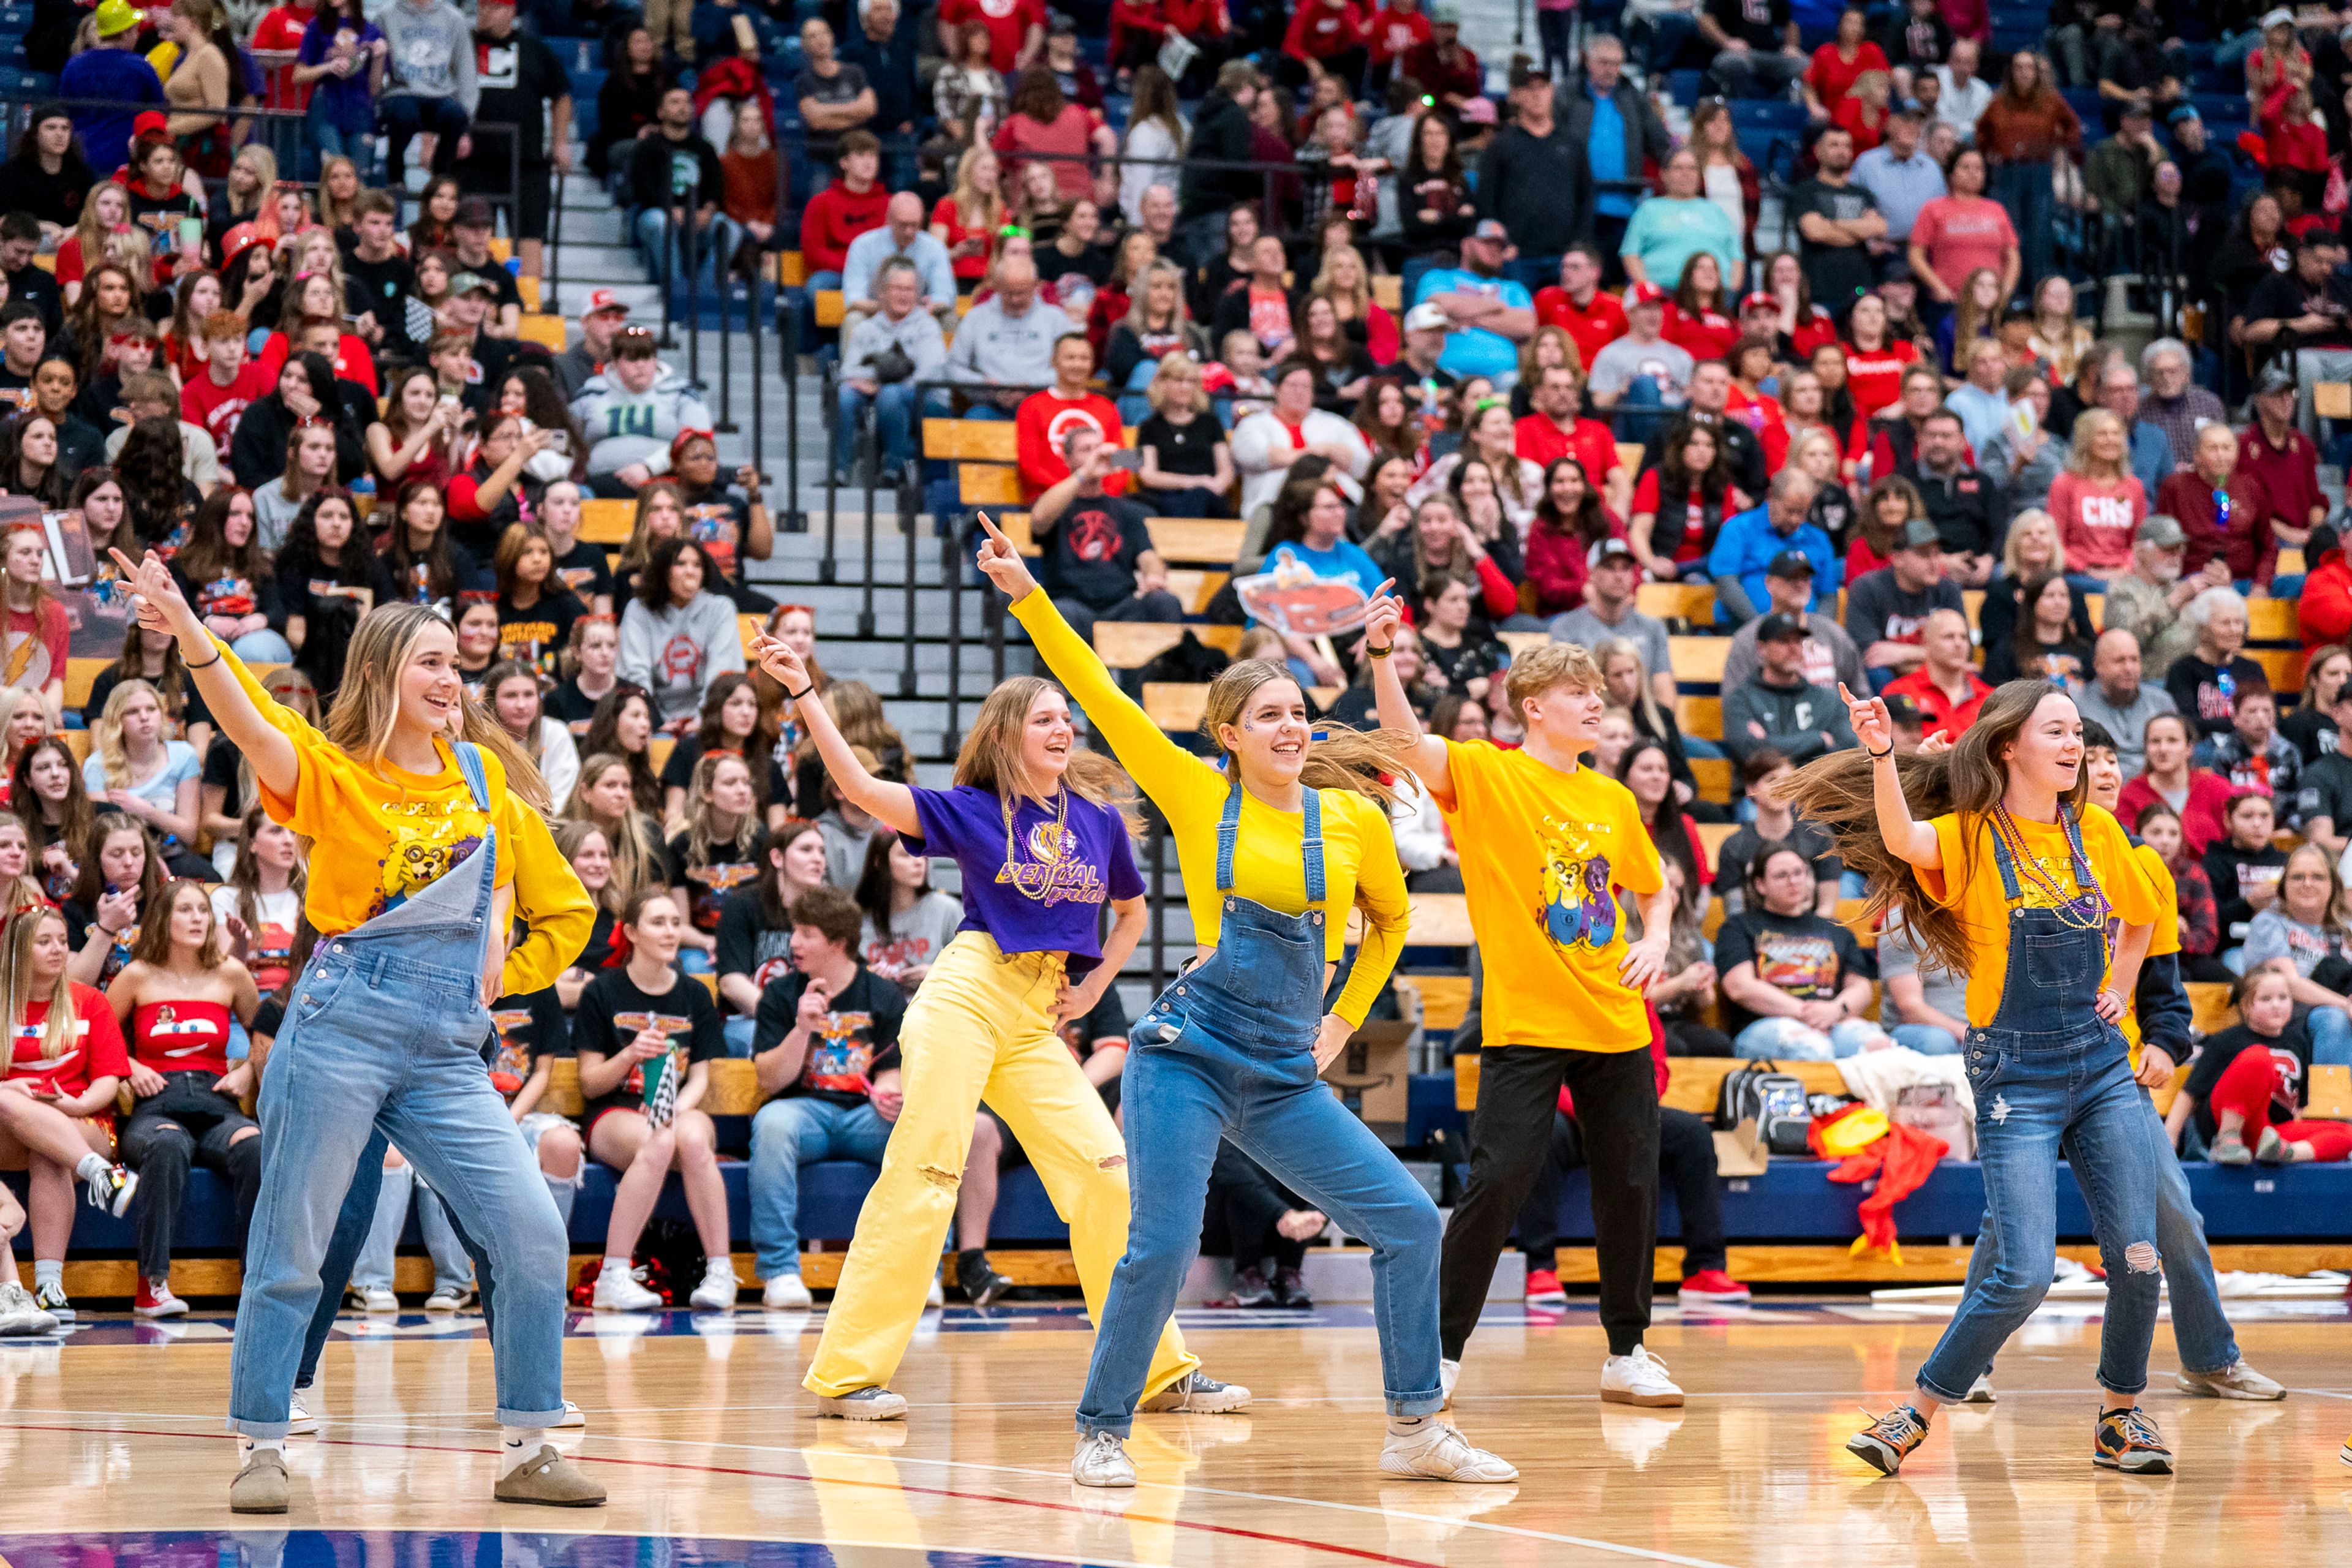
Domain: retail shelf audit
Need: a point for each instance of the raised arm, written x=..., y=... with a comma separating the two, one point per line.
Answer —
x=893, y=805
x=1911, y=840
x=237, y=701
x=1427, y=759
x=1161, y=768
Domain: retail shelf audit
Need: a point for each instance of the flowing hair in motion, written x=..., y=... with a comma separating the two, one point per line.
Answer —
x=1362, y=761
x=1837, y=794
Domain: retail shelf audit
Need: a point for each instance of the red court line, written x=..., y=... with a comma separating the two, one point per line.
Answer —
x=1359, y=1553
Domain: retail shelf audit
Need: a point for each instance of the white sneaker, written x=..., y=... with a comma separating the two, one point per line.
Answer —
x=938, y=1298
x=2236, y=1381
x=1639, y=1378
x=785, y=1293
x=1449, y=1372
x=299, y=1422
x=573, y=1420
x=863, y=1404
x=1981, y=1391
x=1101, y=1461
x=719, y=1288
x=19, y=1316
x=620, y=1290
x=1436, y=1452
x=373, y=1298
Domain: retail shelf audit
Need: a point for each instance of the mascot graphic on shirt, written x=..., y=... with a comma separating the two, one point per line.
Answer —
x=1054, y=871
x=1578, y=908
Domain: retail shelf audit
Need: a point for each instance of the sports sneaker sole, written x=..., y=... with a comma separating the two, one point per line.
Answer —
x=1708, y=1298
x=1105, y=1483
x=2198, y=1388
x=176, y=1310
x=1559, y=1301
x=864, y=1410
x=2145, y=1465
x=1878, y=1456
x=2344, y=1455
x=1646, y=1401
x=62, y=1314
x=121, y=1204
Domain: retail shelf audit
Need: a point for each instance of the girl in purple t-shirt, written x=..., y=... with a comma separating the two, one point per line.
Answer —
x=1031, y=824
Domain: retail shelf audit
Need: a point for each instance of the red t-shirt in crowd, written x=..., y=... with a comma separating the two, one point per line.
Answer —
x=1008, y=23
x=1593, y=327
x=835, y=215
x=1938, y=714
x=1959, y=234
x=2097, y=520
x=94, y=1049
x=2288, y=473
x=36, y=645
x=1393, y=34
x=1704, y=334
x=281, y=31
x=1832, y=78
x=1541, y=442
x=206, y=402
x=185, y=1036
x=1039, y=426
x=1875, y=379
x=1320, y=29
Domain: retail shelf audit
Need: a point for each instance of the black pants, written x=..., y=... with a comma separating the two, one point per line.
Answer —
x=1519, y=1095
x=190, y=1122
x=1248, y=1201
x=1685, y=1160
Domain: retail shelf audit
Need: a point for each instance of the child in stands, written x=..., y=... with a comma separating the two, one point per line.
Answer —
x=2252, y=1080
x=176, y=998
x=645, y=1035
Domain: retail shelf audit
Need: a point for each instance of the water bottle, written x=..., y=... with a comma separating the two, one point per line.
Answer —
x=583, y=54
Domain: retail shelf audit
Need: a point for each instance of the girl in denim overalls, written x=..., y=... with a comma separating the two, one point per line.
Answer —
x=2017, y=882
x=1277, y=839
x=412, y=827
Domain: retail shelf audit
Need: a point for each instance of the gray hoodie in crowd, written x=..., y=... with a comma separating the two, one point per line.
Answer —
x=992, y=345
x=676, y=652
x=917, y=334
x=429, y=53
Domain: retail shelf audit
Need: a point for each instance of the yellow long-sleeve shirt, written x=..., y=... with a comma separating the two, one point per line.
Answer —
x=378, y=835
x=1360, y=858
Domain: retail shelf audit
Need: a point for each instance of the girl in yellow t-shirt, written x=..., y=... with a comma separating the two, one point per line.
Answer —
x=2013, y=879
x=1278, y=837
x=427, y=846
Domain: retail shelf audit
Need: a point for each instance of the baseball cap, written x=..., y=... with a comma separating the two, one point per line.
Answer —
x=2277, y=16
x=1491, y=228
x=1426, y=319
x=1608, y=549
x=1779, y=626
x=1918, y=534
x=474, y=212
x=150, y=127
x=1758, y=301
x=1643, y=294
x=2275, y=379
x=2183, y=113
x=1790, y=564
x=1902, y=711
x=1445, y=14
x=467, y=282
x=601, y=301
x=2164, y=533
x=115, y=16
x=1477, y=112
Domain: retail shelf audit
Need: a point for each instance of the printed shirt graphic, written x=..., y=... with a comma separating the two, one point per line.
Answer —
x=713, y=526
x=627, y=1026
x=1806, y=967
x=1969, y=883
x=1545, y=855
x=510, y=1067
x=93, y=1050
x=853, y=1040
x=712, y=883
x=181, y=1036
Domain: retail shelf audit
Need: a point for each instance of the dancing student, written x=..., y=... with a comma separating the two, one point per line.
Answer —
x=175, y=1000
x=1547, y=843
x=1278, y=838
x=2010, y=878
x=1033, y=825
x=2158, y=1024
x=427, y=845
x=56, y=1094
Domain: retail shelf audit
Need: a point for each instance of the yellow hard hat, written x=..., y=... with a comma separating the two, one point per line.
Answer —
x=115, y=16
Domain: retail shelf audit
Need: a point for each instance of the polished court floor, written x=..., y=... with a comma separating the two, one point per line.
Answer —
x=111, y=1451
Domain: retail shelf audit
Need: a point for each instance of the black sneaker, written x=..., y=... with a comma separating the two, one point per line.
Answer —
x=1290, y=1289
x=2127, y=1440
x=1886, y=1442
x=981, y=1284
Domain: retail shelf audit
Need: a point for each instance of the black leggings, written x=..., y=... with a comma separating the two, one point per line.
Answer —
x=189, y=1122
x=1685, y=1161
x=1247, y=1201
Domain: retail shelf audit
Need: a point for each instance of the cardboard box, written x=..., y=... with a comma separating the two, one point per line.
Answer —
x=1371, y=1075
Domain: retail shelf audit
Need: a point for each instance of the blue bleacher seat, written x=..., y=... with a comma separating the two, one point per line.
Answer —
x=1767, y=114
x=1683, y=87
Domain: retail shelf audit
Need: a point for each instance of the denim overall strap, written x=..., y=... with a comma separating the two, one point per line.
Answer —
x=1310, y=844
x=470, y=762
x=2014, y=891
x=2056, y=967
x=449, y=915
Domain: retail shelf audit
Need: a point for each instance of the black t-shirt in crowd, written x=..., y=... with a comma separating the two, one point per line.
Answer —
x=1840, y=274
x=598, y=954
x=1092, y=262
x=2312, y=731
x=535, y=636
x=725, y=869
x=1091, y=548
x=571, y=705
x=2325, y=789
x=531, y=1029
x=1186, y=448
x=585, y=571
x=1758, y=23
x=613, y=1012
x=38, y=287
x=842, y=87
x=384, y=285
x=2236, y=874
x=2290, y=1051
x=2284, y=297
x=748, y=944
x=858, y=1038
x=678, y=772
x=2207, y=695
x=1812, y=840
x=518, y=73
x=1808, y=956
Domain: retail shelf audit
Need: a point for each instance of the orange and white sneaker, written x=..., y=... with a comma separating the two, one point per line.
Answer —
x=2127, y=1440
x=157, y=1300
x=1886, y=1442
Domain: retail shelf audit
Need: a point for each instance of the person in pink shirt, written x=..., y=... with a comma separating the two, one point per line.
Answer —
x=2097, y=501
x=1956, y=233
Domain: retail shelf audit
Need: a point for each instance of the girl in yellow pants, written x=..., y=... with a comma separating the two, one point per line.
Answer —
x=1042, y=849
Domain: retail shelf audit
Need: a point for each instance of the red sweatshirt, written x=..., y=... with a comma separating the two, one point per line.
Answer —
x=2324, y=610
x=1043, y=419
x=835, y=215
x=1320, y=29
x=1393, y=34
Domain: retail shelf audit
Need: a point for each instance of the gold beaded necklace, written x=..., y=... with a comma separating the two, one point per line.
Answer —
x=1014, y=865
x=2066, y=910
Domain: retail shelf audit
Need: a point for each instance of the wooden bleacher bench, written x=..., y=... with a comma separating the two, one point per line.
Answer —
x=607, y=521
x=989, y=484
x=1693, y=602
x=2282, y=665
x=1444, y=998
x=1192, y=586
x=1713, y=776
x=831, y=308
x=527, y=286
x=2270, y=620
x=1699, y=659
x=1520, y=642
x=2332, y=400
x=1700, y=716
x=1713, y=835
x=1131, y=645
x=790, y=271
x=1693, y=1083
x=545, y=330
x=1387, y=292
x=1197, y=541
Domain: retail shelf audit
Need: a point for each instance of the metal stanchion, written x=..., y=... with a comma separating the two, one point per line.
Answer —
x=866, y=602
x=906, y=527
x=726, y=281
x=950, y=578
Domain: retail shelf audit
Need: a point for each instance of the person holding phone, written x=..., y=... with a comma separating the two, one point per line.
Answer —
x=1099, y=564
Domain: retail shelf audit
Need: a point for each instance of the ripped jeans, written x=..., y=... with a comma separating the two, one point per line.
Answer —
x=2032, y=1091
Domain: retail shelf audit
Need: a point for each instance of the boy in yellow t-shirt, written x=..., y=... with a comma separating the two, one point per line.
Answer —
x=1547, y=848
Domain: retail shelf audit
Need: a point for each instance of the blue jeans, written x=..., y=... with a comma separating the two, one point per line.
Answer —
x=1928, y=1039
x=785, y=1135
x=322, y=139
x=739, y=1032
x=894, y=425
x=452, y=1269
x=2023, y=189
x=712, y=247
x=1788, y=1040
x=2031, y=1092
x=2331, y=1036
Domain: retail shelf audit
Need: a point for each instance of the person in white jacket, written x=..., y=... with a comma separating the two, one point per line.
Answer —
x=675, y=635
x=632, y=412
x=1266, y=445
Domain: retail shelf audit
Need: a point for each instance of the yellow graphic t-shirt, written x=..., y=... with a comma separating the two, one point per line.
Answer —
x=1544, y=854
x=1969, y=884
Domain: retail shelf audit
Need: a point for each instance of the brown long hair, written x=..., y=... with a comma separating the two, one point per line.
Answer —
x=154, y=945
x=1359, y=761
x=367, y=703
x=1837, y=792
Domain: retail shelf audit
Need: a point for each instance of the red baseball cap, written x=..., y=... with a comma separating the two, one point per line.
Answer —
x=240, y=239
x=1758, y=301
x=150, y=124
x=602, y=300
x=1645, y=294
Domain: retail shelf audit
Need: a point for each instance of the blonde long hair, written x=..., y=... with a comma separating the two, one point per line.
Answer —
x=1837, y=792
x=16, y=995
x=106, y=735
x=701, y=835
x=1358, y=761
x=367, y=703
x=2087, y=425
x=990, y=758
x=632, y=848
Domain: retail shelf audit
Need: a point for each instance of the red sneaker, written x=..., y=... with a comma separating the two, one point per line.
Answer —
x=1543, y=1289
x=157, y=1300
x=1712, y=1287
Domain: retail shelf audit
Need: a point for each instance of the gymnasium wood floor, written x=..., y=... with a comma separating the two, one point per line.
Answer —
x=114, y=1436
